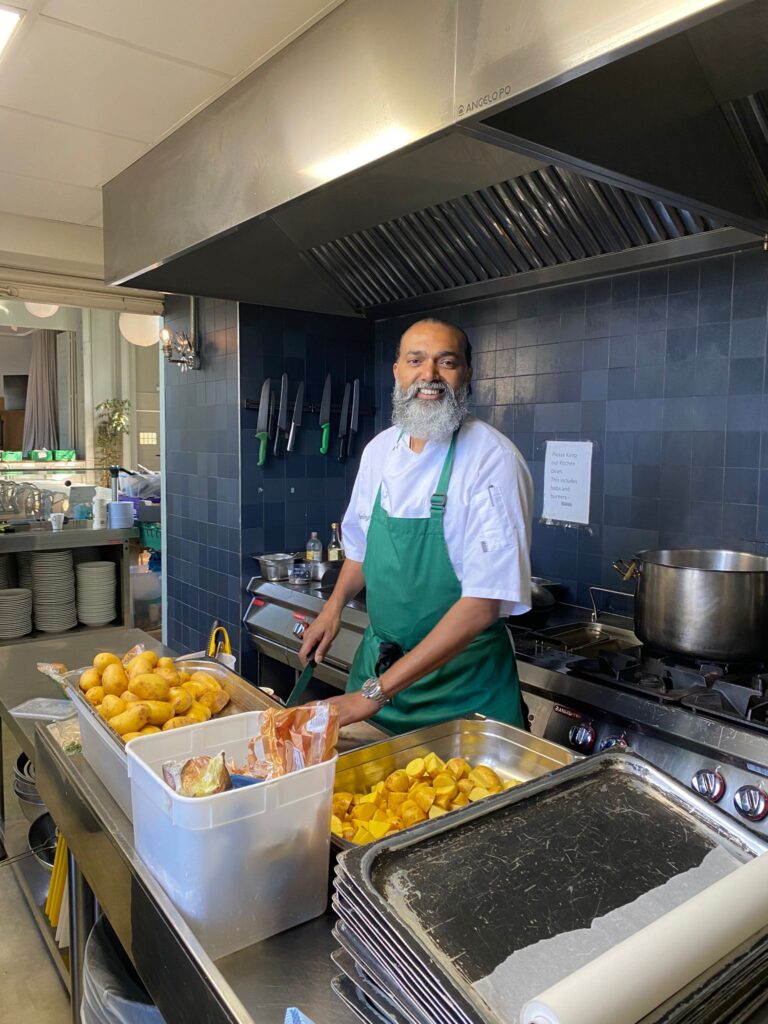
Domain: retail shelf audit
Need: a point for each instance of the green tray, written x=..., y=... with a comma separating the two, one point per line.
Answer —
x=64, y=455
x=13, y=456
x=151, y=535
x=44, y=455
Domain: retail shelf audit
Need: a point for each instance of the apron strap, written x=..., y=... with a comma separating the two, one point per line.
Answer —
x=439, y=498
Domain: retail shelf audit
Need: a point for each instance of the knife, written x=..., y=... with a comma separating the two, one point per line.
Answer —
x=325, y=416
x=262, y=424
x=342, y=456
x=354, y=417
x=282, y=413
x=298, y=409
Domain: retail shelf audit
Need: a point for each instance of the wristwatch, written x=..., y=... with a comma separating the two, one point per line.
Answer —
x=371, y=689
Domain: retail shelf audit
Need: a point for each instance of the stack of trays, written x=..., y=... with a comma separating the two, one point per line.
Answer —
x=15, y=613
x=53, y=591
x=96, y=589
x=3, y=571
x=467, y=918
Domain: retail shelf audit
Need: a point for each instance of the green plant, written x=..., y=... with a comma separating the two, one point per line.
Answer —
x=113, y=421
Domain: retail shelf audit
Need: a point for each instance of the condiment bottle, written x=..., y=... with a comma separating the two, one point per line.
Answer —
x=314, y=551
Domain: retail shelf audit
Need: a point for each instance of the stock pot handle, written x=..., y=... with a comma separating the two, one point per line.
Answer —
x=627, y=570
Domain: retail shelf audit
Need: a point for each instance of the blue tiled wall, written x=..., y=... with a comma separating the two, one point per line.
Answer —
x=201, y=437
x=665, y=371
x=301, y=491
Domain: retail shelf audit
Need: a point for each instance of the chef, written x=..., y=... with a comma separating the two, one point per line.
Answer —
x=438, y=533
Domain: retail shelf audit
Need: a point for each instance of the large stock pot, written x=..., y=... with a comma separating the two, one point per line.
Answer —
x=708, y=604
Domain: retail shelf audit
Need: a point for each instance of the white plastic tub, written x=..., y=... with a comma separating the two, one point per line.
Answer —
x=105, y=753
x=242, y=865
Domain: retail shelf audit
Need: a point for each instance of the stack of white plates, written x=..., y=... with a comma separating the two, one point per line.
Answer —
x=15, y=613
x=96, y=589
x=120, y=515
x=53, y=591
x=3, y=571
x=24, y=569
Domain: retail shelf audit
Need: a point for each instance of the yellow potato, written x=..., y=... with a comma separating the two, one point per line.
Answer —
x=133, y=719
x=138, y=666
x=364, y=812
x=478, y=793
x=416, y=768
x=151, y=657
x=149, y=686
x=195, y=688
x=435, y=812
x=424, y=796
x=101, y=661
x=89, y=678
x=458, y=768
x=179, y=721
x=445, y=785
x=511, y=783
x=397, y=782
x=433, y=764
x=148, y=730
x=95, y=695
x=465, y=786
x=128, y=736
x=184, y=676
x=411, y=813
x=129, y=698
x=484, y=777
x=460, y=801
x=170, y=674
x=206, y=679
x=113, y=679
x=199, y=711
x=111, y=706
x=180, y=700
x=160, y=711
x=216, y=700
x=166, y=662
x=336, y=826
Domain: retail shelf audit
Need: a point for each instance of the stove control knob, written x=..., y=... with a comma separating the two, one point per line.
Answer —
x=614, y=743
x=751, y=803
x=298, y=629
x=582, y=737
x=708, y=783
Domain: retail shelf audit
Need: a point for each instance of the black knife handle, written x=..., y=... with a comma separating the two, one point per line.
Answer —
x=342, y=456
x=350, y=444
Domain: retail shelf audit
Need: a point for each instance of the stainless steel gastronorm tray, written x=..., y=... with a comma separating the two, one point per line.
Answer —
x=614, y=821
x=588, y=638
x=243, y=695
x=511, y=752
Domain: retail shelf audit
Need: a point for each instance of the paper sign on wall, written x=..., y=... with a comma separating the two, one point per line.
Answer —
x=567, y=479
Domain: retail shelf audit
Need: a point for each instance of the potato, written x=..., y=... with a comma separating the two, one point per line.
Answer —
x=113, y=679
x=166, y=663
x=424, y=796
x=215, y=700
x=478, y=793
x=148, y=730
x=89, y=678
x=195, y=688
x=170, y=674
x=416, y=768
x=151, y=657
x=180, y=700
x=95, y=695
x=179, y=722
x=411, y=813
x=445, y=785
x=111, y=706
x=101, y=661
x=485, y=777
x=138, y=665
x=199, y=711
x=129, y=698
x=397, y=782
x=160, y=711
x=128, y=736
x=184, y=676
x=133, y=719
x=458, y=768
x=206, y=679
x=149, y=686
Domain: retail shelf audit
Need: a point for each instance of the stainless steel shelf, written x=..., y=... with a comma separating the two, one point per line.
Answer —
x=36, y=635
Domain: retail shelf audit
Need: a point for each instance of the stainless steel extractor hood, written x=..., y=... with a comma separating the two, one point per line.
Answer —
x=400, y=155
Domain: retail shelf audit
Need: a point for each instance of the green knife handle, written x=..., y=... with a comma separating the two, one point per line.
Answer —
x=326, y=428
x=263, y=437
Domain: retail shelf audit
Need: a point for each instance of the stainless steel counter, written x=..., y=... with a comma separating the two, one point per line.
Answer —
x=74, y=535
x=256, y=984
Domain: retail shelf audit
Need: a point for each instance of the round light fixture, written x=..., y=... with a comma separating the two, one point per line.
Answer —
x=139, y=329
x=41, y=309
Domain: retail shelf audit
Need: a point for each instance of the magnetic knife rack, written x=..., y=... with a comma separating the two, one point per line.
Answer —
x=312, y=407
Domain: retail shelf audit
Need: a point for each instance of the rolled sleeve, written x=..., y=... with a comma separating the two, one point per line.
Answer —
x=496, y=557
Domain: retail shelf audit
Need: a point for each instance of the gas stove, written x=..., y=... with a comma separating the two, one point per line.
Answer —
x=590, y=686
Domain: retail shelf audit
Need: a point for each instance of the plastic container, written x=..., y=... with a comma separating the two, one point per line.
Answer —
x=111, y=992
x=64, y=454
x=40, y=455
x=106, y=755
x=242, y=865
x=151, y=535
x=12, y=456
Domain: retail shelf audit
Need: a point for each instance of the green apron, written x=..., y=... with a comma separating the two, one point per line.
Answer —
x=410, y=585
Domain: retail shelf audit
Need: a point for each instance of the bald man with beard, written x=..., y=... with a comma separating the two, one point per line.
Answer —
x=438, y=532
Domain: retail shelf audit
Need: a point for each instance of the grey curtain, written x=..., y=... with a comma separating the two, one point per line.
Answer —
x=41, y=415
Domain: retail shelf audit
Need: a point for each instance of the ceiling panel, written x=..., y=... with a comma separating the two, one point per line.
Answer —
x=61, y=152
x=229, y=35
x=81, y=79
x=50, y=200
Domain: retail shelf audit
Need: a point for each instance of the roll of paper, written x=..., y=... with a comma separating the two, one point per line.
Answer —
x=629, y=981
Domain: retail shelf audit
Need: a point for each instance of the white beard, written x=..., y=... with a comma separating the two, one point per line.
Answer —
x=425, y=419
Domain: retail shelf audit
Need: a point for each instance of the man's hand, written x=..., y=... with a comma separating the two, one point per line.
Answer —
x=320, y=635
x=353, y=707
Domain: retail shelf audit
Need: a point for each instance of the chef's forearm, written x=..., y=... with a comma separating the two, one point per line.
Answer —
x=458, y=627
x=349, y=584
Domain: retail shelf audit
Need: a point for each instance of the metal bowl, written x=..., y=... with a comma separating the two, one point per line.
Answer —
x=41, y=839
x=276, y=567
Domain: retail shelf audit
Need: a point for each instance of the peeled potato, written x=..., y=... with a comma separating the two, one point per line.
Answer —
x=101, y=661
x=149, y=686
x=133, y=719
x=89, y=678
x=180, y=700
x=113, y=679
x=95, y=695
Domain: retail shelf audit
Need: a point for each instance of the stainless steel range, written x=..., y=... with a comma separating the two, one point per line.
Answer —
x=590, y=686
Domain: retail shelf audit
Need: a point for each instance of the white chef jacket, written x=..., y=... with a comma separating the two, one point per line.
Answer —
x=487, y=521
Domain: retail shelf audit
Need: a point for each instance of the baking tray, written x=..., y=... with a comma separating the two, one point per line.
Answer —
x=243, y=695
x=352, y=982
x=513, y=753
x=508, y=857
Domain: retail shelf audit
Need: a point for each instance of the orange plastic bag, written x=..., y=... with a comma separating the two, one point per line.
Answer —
x=291, y=739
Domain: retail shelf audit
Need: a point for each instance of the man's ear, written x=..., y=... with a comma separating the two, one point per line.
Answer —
x=394, y=370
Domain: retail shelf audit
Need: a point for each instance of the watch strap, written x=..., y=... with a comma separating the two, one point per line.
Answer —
x=371, y=689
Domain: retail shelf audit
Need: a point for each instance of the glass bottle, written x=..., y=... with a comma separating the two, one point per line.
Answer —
x=335, y=549
x=314, y=548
